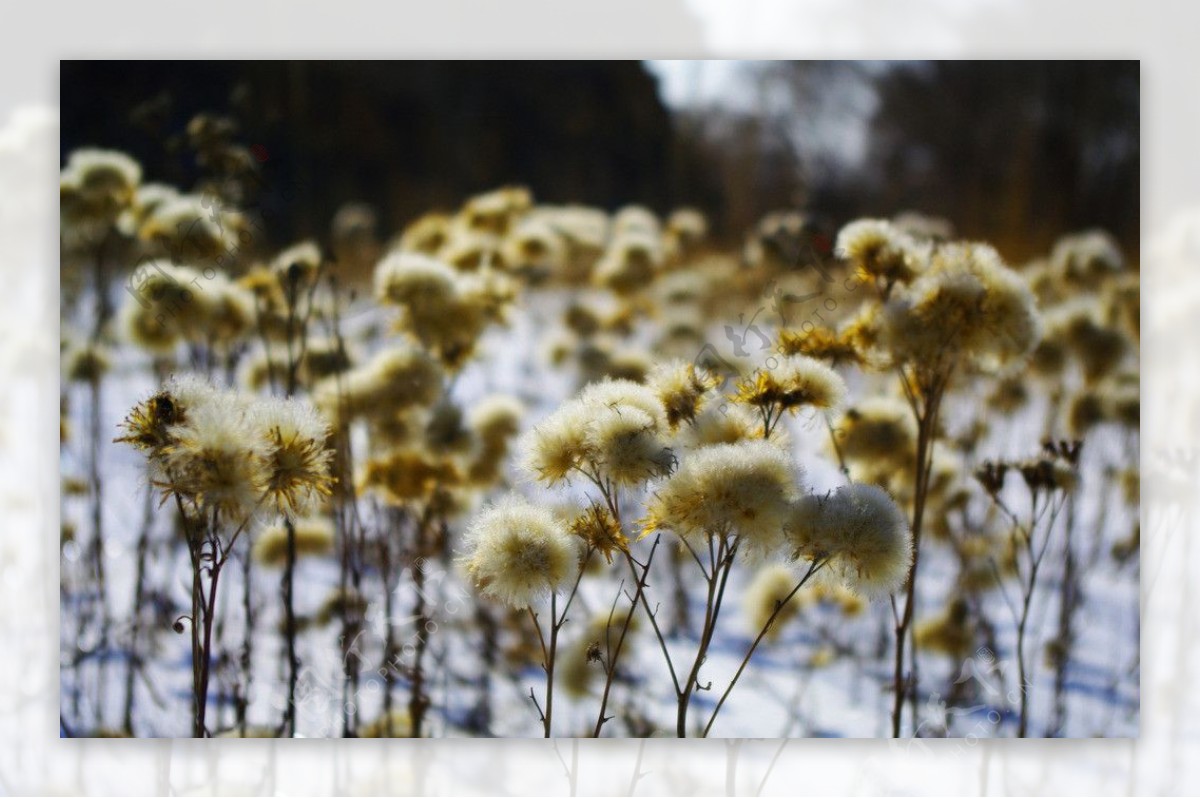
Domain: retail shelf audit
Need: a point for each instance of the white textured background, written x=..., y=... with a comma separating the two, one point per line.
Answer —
x=1161, y=34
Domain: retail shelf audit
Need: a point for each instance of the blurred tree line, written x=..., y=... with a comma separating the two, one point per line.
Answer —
x=1016, y=152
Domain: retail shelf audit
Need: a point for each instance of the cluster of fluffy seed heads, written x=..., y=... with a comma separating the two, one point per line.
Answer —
x=216, y=460
x=795, y=382
x=630, y=263
x=882, y=250
x=171, y=304
x=860, y=531
x=95, y=186
x=518, y=553
x=614, y=430
x=682, y=388
x=228, y=454
x=967, y=307
x=445, y=310
x=396, y=379
x=742, y=489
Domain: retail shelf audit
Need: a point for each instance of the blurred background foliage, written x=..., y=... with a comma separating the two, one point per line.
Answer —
x=1014, y=152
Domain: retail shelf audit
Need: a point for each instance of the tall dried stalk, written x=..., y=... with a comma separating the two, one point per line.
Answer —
x=925, y=403
x=550, y=649
x=716, y=576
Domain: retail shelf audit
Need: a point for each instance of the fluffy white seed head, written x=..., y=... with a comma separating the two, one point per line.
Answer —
x=968, y=307
x=519, y=553
x=881, y=249
x=737, y=488
x=217, y=460
x=860, y=531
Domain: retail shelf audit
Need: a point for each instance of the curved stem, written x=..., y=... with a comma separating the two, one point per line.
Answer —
x=652, y=615
x=722, y=563
x=611, y=656
x=779, y=605
x=926, y=429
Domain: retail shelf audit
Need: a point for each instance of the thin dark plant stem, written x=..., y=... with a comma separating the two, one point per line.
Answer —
x=418, y=702
x=1067, y=606
x=548, y=718
x=389, y=642
x=837, y=447
x=139, y=593
x=289, y=610
x=779, y=605
x=550, y=649
x=1035, y=554
x=926, y=417
x=247, y=654
x=652, y=616
x=721, y=562
x=613, y=655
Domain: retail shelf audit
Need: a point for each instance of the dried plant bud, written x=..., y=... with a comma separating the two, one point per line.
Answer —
x=991, y=476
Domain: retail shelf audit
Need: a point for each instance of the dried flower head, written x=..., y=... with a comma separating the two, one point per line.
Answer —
x=623, y=444
x=150, y=424
x=681, y=388
x=727, y=423
x=796, y=382
x=554, y=448
x=87, y=362
x=395, y=379
x=599, y=531
x=881, y=249
x=96, y=185
x=421, y=283
x=297, y=267
x=636, y=219
x=950, y=632
x=860, y=531
x=298, y=459
x=408, y=473
x=967, y=307
x=613, y=430
x=496, y=418
x=821, y=343
x=738, y=488
x=217, y=459
x=630, y=262
x=533, y=244
x=444, y=310
x=195, y=229
x=428, y=234
x=518, y=552
x=1086, y=259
